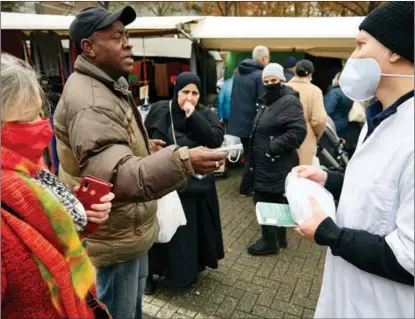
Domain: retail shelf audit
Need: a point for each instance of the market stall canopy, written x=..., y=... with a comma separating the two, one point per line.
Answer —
x=167, y=47
x=142, y=26
x=328, y=36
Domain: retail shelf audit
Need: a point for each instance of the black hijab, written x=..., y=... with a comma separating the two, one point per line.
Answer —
x=179, y=116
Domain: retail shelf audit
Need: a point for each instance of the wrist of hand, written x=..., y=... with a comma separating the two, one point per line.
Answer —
x=184, y=156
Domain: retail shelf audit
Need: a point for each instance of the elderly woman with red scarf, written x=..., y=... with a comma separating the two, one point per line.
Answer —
x=45, y=272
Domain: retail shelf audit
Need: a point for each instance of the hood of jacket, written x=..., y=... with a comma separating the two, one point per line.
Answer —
x=248, y=66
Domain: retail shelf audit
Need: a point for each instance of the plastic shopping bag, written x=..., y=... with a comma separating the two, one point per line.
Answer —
x=298, y=190
x=170, y=215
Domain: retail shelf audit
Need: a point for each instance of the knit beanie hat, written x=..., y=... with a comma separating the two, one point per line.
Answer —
x=392, y=24
x=290, y=62
x=304, y=68
x=184, y=79
x=273, y=69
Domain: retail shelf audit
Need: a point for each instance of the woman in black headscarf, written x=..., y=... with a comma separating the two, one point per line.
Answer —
x=185, y=122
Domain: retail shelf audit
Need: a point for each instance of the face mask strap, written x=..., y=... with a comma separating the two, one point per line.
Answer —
x=237, y=158
x=381, y=55
x=408, y=76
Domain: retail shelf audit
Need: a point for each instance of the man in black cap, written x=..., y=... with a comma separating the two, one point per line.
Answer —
x=100, y=132
x=369, y=269
x=289, y=68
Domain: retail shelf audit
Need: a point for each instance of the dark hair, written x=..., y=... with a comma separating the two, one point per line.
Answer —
x=304, y=68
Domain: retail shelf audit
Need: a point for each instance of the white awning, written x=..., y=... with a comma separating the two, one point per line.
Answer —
x=331, y=36
x=162, y=47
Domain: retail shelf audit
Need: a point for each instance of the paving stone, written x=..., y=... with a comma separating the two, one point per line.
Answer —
x=248, y=262
x=284, y=277
x=266, y=297
x=167, y=311
x=231, y=278
x=256, y=289
x=243, y=315
x=230, y=291
x=217, y=298
x=179, y=316
x=190, y=313
x=215, y=275
x=286, y=285
x=265, y=312
x=227, y=307
x=303, y=288
x=265, y=270
x=273, y=284
x=287, y=307
x=314, y=294
x=247, y=302
x=150, y=309
x=305, y=302
x=210, y=308
x=285, y=292
x=248, y=274
x=309, y=314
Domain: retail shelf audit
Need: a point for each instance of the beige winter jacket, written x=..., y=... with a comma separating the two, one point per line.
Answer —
x=315, y=116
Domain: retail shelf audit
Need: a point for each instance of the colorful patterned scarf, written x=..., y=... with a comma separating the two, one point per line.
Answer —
x=47, y=230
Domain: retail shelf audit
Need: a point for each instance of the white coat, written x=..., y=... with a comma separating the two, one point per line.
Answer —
x=377, y=196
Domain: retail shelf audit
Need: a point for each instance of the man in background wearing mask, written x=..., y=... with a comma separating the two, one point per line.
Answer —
x=369, y=270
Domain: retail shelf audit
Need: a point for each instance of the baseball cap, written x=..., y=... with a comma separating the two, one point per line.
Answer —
x=93, y=19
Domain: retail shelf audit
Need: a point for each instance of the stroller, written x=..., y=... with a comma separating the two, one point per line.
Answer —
x=330, y=149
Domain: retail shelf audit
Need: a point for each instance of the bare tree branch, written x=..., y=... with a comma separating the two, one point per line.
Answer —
x=344, y=5
x=222, y=12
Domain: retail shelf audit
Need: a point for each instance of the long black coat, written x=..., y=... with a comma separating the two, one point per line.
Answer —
x=199, y=243
x=279, y=130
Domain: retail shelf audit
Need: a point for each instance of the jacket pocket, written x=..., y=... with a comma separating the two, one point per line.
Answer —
x=144, y=216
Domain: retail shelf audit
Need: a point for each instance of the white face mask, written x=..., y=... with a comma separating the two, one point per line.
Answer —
x=360, y=78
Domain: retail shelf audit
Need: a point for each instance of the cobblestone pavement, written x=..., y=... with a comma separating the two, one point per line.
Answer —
x=286, y=285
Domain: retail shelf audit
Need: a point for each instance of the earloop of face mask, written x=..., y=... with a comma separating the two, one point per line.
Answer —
x=237, y=158
x=392, y=75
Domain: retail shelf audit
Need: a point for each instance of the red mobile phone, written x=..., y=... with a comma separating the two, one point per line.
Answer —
x=91, y=190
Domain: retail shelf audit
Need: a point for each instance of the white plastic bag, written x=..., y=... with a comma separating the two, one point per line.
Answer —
x=298, y=190
x=357, y=113
x=170, y=215
x=229, y=140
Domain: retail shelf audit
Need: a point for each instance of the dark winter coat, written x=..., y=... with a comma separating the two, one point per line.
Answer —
x=288, y=75
x=279, y=130
x=246, y=89
x=338, y=106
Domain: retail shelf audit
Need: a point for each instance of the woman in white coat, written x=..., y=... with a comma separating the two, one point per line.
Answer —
x=369, y=270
